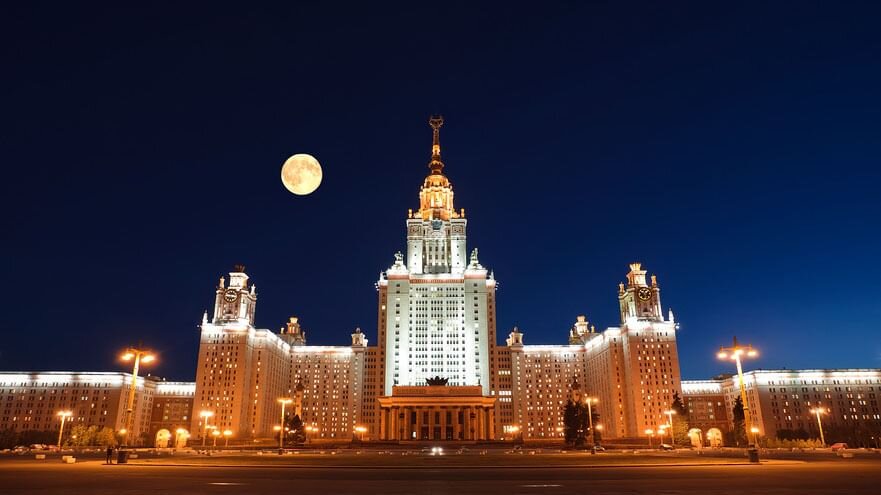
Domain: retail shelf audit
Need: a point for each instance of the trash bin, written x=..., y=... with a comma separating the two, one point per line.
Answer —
x=122, y=457
x=753, y=455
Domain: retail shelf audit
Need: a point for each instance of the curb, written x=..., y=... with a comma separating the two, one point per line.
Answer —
x=583, y=466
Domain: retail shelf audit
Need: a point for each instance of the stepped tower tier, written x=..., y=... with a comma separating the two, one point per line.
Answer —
x=437, y=303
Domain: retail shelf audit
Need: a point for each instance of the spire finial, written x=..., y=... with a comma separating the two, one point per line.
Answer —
x=436, y=164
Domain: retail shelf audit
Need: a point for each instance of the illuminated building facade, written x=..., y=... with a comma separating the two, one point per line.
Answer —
x=31, y=401
x=171, y=413
x=631, y=370
x=783, y=400
x=243, y=371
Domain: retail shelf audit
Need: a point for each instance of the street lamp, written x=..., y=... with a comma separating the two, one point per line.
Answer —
x=818, y=411
x=360, y=430
x=205, y=415
x=735, y=353
x=63, y=415
x=670, y=413
x=227, y=434
x=650, y=433
x=139, y=356
x=215, y=433
x=283, y=401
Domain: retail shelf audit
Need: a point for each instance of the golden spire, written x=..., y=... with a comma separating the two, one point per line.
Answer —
x=436, y=165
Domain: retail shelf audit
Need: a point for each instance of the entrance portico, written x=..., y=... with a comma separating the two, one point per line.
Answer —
x=436, y=412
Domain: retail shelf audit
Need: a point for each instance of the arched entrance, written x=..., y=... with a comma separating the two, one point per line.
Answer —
x=163, y=437
x=714, y=437
x=696, y=437
x=180, y=438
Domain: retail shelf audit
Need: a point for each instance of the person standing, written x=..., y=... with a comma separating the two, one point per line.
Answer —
x=109, y=454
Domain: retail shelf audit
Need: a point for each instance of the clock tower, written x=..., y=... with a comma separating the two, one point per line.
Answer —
x=639, y=300
x=235, y=303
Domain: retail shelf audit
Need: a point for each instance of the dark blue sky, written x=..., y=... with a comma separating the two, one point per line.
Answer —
x=734, y=150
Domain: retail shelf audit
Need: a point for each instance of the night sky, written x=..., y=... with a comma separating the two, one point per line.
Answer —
x=733, y=149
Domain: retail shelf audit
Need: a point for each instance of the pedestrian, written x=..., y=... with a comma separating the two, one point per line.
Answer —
x=109, y=455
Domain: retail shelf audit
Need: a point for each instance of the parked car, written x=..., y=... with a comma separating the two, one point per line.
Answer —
x=599, y=448
x=836, y=447
x=665, y=446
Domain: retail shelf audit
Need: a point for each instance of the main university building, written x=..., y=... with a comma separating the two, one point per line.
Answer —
x=437, y=371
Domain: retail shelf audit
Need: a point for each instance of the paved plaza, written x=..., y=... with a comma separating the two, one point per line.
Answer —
x=405, y=472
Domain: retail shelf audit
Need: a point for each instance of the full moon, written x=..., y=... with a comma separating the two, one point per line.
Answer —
x=301, y=174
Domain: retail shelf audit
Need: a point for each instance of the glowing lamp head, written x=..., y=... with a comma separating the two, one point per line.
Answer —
x=65, y=414
x=754, y=429
x=180, y=431
x=123, y=431
x=649, y=432
x=669, y=411
x=752, y=353
x=722, y=355
x=227, y=433
x=276, y=428
x=128, y=356
x=148, y=358
x=215, y=433
x=284, y=400
x=206, y=414
x=599, y=427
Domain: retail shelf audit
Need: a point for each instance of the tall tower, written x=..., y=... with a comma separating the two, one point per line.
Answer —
x=639, y=300
x=237, y=302
x=436, y=305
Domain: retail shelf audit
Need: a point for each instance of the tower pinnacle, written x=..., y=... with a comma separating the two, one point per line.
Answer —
x=436, y=165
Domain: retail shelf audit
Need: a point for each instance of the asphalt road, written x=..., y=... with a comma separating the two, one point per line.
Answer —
x=91, y=477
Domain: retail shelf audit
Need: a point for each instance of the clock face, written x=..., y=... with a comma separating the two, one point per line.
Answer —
x=230, y=295
x=644, y=293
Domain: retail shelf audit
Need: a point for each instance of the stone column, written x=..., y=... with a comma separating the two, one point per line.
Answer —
x=456, y=426
x=418, y=423
x=492, y=423
x=383, y=412
x=393, y=424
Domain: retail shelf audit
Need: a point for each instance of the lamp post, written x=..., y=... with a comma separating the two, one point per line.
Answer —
x=360, y=430
x=283, y=401
x=670, y=413
x=818, y=411
x=227, y=434
x=661, y=431
x=215, y=433
x=735, y=353
x=64, y=415
x=139, y=356
x=205, y=415
x=309, y=429
x=650, y=433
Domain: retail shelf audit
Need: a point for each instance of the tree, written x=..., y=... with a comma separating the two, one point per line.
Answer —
x=574, y=423
x=296, y=432
x=680, y=421
x=8, y=439
x=739, y=420
x=82, y=435
x=106, y=437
